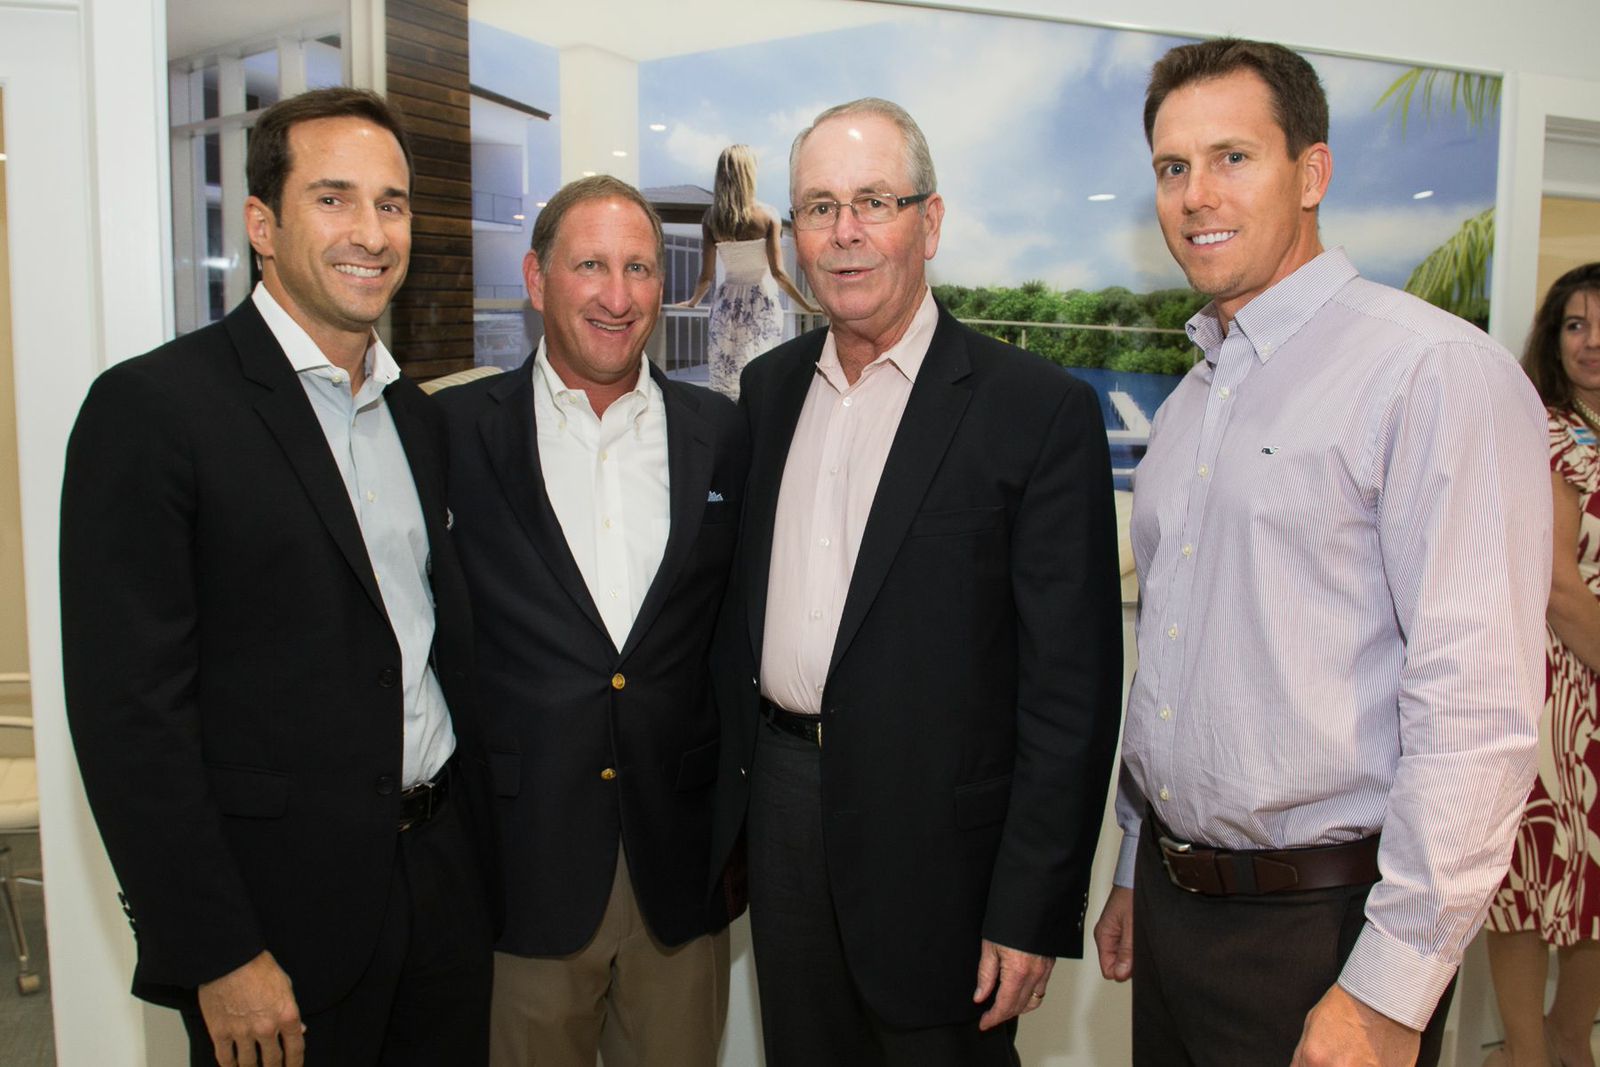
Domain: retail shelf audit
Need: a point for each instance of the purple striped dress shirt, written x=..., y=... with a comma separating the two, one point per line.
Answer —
x=1342, y=532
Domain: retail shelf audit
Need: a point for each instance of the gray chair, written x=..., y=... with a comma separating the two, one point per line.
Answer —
x=19, y=814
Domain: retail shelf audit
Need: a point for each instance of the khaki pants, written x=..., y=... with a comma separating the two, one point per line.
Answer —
x=623, y=995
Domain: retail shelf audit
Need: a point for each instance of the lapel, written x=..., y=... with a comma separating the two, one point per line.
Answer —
x=933, y=411
x=512, y=442
x=777, y=424
x=689, y=462
x=283, y=406
x=424, y=464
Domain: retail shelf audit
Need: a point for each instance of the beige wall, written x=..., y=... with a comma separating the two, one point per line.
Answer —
x=1569, y=236
x=13, y=620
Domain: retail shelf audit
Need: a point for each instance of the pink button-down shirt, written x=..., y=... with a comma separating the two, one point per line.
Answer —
x=835, y=461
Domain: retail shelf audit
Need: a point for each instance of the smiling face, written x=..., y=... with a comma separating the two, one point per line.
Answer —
x=599, y=292
x=869, y=280
x=1580, y=344
x=337, y=250
x=1238, y=214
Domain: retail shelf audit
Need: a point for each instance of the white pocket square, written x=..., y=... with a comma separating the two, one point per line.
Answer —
x=713, y=497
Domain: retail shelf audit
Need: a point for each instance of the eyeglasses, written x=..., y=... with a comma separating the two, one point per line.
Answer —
x=870, y=209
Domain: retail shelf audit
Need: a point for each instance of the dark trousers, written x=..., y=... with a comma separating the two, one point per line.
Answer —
x=811, y=1012
x=1227, y=981
x=424, y=999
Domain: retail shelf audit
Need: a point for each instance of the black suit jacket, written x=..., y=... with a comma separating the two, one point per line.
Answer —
x=232, y=680
x=589, y=744
x=971, y=704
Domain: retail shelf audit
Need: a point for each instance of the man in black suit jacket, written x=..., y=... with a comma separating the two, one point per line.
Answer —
x=596, y=504
x=920, y=664
x=267, y=640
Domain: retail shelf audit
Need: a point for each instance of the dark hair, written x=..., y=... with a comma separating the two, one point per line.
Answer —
x=1541, y=356
x=595, y=187
x=1298, y=101
x=268, y=162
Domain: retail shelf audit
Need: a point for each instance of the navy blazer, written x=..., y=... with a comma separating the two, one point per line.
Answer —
x=591, y=745
x=232, y=679
x=973, y=695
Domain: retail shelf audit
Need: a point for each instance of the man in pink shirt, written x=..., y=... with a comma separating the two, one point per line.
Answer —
x=919, y=666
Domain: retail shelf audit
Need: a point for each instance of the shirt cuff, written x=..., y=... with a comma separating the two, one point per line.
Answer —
x=1123, y=877
x=1395, y=979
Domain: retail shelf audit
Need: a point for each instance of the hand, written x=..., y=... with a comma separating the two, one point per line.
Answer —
x=250, y=1009
x=1341, y=1031
x=1113, y=935
x=1022, y=978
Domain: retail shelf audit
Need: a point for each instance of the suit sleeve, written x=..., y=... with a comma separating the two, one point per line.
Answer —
x=1065, y=585
x=131, y=642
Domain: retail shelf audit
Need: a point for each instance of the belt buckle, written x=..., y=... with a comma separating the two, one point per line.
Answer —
x=1170, y=847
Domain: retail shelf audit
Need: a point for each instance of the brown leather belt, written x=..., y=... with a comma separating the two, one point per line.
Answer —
x=793, y=722
x=1220, y=872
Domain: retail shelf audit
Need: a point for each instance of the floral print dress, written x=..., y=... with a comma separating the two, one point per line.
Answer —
x=746, y=318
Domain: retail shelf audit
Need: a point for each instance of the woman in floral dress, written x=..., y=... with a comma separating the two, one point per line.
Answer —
x=744, y=235
x=1551, y=895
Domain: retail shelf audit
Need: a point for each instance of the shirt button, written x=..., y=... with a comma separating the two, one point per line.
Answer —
x=618, y=681
x=848, y=401
x=371, y=496
x=1166, y=712
x=613, y=594
x=833, y=470
x=816, y=614
x=609, y=773
x=819, y=688
x=1224, y=392
x=824, y=542
x=606, y=522
x=1204, y=470
x=1188, y=550
x=602, y=457
x=1164, y=795
x=1172, y=632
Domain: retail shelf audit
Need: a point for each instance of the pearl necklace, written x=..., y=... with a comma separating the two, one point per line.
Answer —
x=1587, y=413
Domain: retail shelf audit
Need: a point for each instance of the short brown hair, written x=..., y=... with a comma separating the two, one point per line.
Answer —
x=268, y=164
x=1298, y=101
x=1541, y=356
x=595, y=187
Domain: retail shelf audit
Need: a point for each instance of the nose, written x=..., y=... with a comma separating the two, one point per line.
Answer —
x=367, y=231
x=1198, y=192
x=847, y=226
x=615, y=297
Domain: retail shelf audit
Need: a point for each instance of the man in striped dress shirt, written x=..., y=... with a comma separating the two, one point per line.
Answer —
x=1342, y=531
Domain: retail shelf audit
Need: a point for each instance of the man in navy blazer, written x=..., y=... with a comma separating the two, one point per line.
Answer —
x=596, y=504
x=267, y=641
x=920, y=662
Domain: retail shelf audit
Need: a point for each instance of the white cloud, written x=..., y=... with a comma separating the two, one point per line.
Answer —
x=1354, y=85
x=1391, y=241
x=1130, y=52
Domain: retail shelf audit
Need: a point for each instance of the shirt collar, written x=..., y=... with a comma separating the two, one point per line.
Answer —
x=906, y=354
x=304, y=353
x=1277, y=314
x=548, y=382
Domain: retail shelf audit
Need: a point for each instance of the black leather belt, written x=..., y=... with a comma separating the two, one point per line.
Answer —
x=1221, y=872
x=793, y=722
x=425, y=800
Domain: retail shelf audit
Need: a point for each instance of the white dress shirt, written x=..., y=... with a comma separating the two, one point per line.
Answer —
x=607, y=480
x=830, y=478
x=372, y=461
x=1342, y=532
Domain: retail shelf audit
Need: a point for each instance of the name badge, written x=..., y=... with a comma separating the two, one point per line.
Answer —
x=1582, y=435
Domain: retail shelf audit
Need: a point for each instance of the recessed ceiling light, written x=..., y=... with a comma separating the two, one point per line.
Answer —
x=2, y=157
x=588, y=174
x=1103, y=196
x=1422, y=195
x=620, y=153
x=658, y=127
x=522, y=218
x=541, y=203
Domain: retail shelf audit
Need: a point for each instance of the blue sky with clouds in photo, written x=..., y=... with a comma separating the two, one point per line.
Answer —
x=1026, y=119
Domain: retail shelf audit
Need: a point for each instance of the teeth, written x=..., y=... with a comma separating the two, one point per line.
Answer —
x=1212, y=238
x=357, y=272
x=608, y=328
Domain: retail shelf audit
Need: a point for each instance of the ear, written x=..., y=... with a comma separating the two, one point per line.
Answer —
x=1316, y=170
x=533, y=278
x=259, y=224
x=932, y=219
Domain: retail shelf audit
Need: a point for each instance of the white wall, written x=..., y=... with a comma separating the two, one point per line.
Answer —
x=86, y=137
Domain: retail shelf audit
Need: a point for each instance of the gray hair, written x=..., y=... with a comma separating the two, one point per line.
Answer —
x=918, y=162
